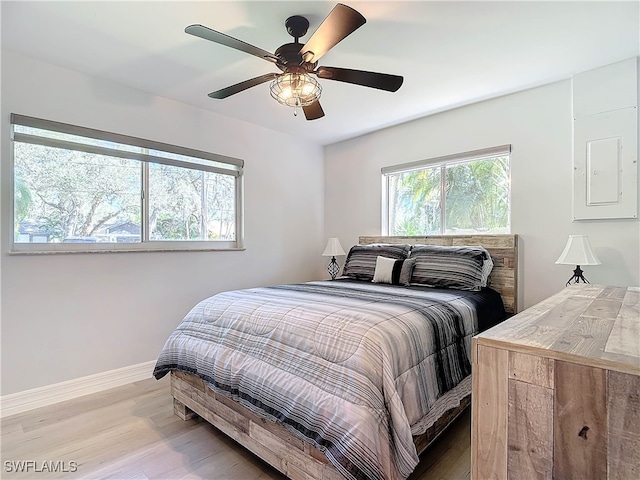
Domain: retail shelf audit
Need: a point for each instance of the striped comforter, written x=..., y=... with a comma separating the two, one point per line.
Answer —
x=347, y=365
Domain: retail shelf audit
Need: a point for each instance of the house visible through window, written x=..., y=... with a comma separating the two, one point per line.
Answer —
x=74, y=185
x=458, y=194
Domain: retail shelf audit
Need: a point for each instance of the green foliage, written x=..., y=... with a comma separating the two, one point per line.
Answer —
x=190, y=204
x=477, y=195
x=73, y=193
x=416, y=202
x=476, y=198
x=22, y=198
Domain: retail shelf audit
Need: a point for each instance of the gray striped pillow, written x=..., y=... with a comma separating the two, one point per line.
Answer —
x=361, y=260
x=462, y=268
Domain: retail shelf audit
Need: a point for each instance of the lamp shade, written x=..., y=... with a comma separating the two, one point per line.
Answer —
x=577, y=251
x=333, y=248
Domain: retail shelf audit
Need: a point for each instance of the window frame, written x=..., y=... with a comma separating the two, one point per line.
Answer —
x=203, y=161
x=442, y=162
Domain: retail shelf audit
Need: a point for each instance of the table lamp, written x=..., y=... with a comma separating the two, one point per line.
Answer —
x=333, y=250
x=577, y=252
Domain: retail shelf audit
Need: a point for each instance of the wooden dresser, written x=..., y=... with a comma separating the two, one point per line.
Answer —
x=556, y=389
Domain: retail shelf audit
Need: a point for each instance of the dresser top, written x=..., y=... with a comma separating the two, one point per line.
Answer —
x=589, y=324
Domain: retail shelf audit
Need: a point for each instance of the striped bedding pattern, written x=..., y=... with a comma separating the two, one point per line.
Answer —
x=360, y=263
x=465, y=268
x=349, y=366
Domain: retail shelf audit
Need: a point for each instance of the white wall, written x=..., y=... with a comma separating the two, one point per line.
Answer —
x=538, y=125
x=68, y=316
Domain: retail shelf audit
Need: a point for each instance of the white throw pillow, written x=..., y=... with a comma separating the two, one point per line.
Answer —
x=384, y=270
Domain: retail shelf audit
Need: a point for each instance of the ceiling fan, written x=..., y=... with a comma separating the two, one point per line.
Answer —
x=295, y=87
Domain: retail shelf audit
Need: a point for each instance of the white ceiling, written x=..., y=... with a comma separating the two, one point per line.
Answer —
x=451, y=53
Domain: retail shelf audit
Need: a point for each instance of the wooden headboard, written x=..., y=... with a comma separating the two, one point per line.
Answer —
x=503, y=250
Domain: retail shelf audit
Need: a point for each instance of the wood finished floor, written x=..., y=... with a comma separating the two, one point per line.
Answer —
x=131, y=433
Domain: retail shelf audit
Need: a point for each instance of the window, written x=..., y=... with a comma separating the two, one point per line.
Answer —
x=458, y=194
x=79, y=189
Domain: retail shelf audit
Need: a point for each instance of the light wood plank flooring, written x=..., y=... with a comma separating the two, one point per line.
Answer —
x=131, y=433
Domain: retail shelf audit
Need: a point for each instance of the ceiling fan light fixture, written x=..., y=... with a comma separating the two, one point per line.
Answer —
x=295, y=89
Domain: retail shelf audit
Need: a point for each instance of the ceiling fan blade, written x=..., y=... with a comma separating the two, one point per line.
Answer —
x=239, y=87
x=341, y=22
x=313, y=111
x=217, y=37
x=381, y=81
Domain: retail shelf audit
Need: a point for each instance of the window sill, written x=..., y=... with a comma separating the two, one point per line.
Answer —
x=57, y=249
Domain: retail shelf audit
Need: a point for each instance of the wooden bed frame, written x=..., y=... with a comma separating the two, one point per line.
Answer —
x=279, y=447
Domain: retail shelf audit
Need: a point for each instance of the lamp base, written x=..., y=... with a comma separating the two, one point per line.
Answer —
x=333, y=268
x=577, y=276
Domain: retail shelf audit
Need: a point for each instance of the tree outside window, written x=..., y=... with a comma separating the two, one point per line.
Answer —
x=452, y=197
x=70, y=188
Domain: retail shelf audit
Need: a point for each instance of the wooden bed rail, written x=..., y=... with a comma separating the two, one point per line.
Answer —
x=271, y=441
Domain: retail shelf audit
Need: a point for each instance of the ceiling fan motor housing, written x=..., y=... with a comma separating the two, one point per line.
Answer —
x=290, y=55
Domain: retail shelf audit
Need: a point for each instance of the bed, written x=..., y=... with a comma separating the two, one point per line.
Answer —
x=351, y=378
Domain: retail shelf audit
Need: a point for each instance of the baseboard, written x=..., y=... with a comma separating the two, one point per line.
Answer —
x=59, y=392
